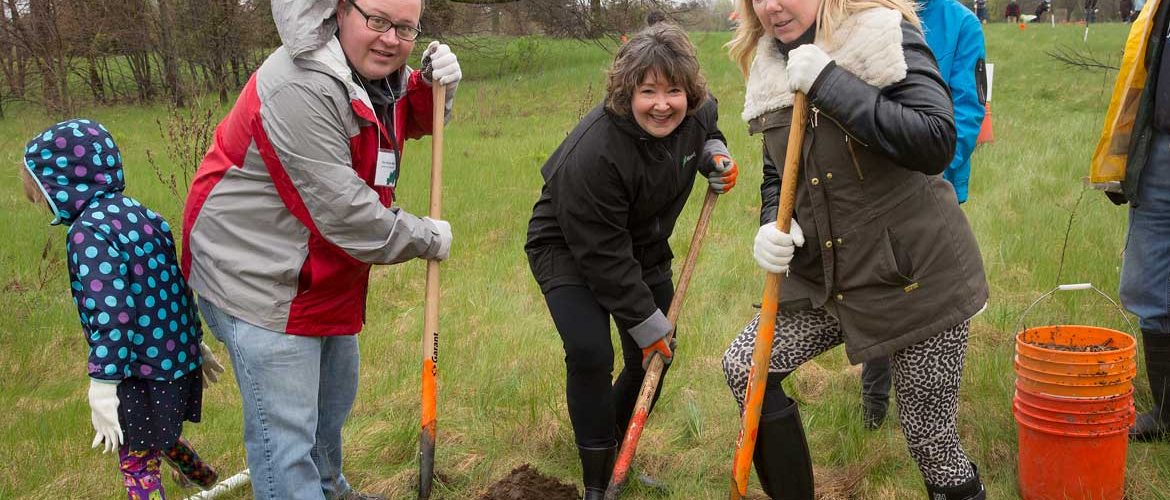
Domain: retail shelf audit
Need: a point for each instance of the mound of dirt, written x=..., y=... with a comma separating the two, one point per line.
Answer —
x=527, y=483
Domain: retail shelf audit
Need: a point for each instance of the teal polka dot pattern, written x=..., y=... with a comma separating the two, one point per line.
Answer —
x=133, y=303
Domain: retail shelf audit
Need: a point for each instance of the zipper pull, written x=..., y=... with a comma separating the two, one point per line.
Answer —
x=816, y=113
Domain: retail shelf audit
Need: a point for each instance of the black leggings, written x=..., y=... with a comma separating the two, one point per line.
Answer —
x=599, y=411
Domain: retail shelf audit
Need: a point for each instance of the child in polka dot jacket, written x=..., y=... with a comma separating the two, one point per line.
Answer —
x=147, y=363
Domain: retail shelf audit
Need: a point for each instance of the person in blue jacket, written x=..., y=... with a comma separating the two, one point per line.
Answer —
x=147, y=363
x=955, y=36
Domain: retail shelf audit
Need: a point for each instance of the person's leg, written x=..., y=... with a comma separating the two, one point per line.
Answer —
x=875, y=391
x=339, y=383
x=1145, y=283
x=801, y=335
x=141, y=474
x=781, y=456
x=584, y=329
x=629, y=381
x=279, y=378
x=926, y=383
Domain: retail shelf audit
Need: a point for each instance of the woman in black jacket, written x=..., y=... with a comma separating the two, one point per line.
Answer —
x=891, y=267
x=597, y=240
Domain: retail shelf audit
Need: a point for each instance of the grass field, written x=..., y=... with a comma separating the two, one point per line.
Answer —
x=501, y=371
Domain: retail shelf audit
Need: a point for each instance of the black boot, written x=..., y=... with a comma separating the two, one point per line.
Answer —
x=970, y=490
x=1155, y=424
x=781, y=456
x=875, y=392
x=596, y=467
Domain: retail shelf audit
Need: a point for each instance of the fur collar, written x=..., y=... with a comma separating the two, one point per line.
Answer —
x=868, y=44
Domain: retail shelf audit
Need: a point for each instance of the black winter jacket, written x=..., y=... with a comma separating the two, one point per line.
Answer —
x=611, y=196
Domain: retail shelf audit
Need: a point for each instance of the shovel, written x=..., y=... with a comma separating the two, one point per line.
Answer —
x=430, y=343
x=625, y=457
x=762, y=352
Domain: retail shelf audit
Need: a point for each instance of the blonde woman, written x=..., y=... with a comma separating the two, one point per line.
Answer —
x=890, y=267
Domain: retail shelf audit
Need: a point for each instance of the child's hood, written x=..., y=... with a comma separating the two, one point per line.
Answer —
x=74, y=162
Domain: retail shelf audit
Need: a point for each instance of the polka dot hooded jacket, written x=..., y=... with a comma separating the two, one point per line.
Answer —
x=137, y=313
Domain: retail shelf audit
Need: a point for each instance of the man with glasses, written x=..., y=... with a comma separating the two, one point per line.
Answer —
x=290, y=208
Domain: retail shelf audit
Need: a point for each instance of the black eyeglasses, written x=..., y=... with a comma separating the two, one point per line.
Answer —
x=380, y=24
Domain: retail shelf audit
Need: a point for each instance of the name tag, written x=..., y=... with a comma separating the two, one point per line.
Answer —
x=386, y=173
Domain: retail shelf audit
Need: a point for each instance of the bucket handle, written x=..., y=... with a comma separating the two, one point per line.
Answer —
x=1072, y=287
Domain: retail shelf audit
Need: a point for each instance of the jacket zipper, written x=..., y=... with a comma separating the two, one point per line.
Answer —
x=853, y=156
x=817, y=111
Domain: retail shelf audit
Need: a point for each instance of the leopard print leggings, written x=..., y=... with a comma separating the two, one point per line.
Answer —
x=926, y=383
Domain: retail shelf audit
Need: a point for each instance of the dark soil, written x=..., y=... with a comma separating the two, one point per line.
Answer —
x=1105, y=346
x=527, y=483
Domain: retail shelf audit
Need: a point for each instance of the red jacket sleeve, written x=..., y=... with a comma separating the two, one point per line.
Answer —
x=412, y=115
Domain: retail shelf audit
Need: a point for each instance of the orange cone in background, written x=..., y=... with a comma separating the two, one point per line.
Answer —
x=986, y=134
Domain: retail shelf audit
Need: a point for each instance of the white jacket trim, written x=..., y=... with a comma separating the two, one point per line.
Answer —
x=868, y=44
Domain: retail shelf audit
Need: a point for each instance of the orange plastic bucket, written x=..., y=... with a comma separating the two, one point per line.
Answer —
x=1079, y=371
x=1066, y=456
x=1076, y=385
x=1073, y=391
x=1076, y=369
x=1075, y=336
x=1085, y=379
x=1074, y=405
x=1076, y=422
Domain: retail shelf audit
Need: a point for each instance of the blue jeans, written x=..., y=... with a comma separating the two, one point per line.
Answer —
x=1145, y=265
x=297, y=392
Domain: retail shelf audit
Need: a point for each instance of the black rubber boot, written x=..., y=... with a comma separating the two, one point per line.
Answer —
x=875, y=392
x=596, y=467
x=1155, y=424
x=970, y=490
x=781, y=456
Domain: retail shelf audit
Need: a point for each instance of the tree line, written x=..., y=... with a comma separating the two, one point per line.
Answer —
x=62, y=54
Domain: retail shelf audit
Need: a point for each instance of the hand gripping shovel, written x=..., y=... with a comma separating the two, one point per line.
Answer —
x=430, y=343
x=621, y=467
x=758, y=375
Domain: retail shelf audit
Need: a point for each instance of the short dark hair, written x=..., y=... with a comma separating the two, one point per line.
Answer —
x=663, y=49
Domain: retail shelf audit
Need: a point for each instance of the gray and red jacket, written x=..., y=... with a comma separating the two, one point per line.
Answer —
x=285, y=216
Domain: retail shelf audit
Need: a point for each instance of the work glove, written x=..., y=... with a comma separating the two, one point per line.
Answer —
x=103, y=407
x=443, y=228
x=211, y=366
x=662, y=348
x=718, y=167
x=444, y=67
x=805, y=64
x=773, y=248
x=723, y=172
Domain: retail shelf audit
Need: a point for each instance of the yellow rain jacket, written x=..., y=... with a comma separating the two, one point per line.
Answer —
x=1122, y=149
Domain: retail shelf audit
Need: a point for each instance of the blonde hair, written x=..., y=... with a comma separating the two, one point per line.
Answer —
x=32, y=191
x=830, y=14
x=661, y=49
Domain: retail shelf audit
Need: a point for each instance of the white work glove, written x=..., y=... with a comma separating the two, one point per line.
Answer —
x=211, y=366
x=444, y=229
x=805, y=64
x=774, y=248
x=444, y=65
x=103, y=406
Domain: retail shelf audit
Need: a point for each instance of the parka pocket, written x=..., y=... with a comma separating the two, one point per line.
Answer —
x=901, y=266
x=870, y=257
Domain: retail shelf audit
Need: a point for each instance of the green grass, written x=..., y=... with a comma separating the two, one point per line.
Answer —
x=501, y=370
